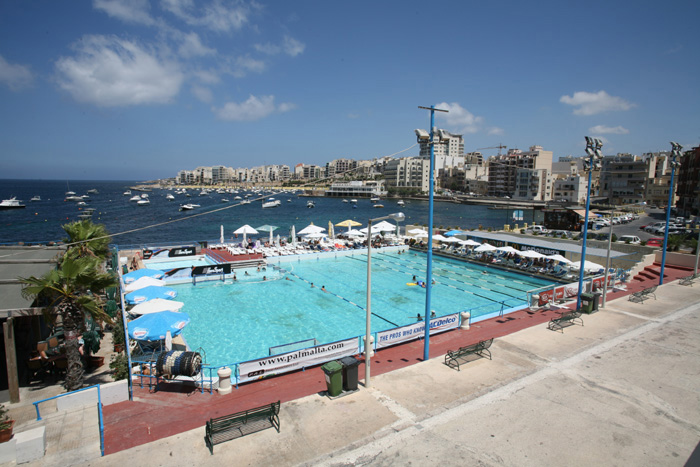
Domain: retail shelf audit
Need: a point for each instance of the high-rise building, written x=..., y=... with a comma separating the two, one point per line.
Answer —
x=688, y=187
x=521, y=173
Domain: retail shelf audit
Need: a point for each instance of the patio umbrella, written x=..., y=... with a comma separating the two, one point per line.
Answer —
x=507, y=249
x=143, y=282
x=221, y=237
x=130, y=277
x=559, y=258
x=470, y=242
x=156, y=305
x=353, y=233
x=152, y=327
x=439, y=238
x=530, y=254
x=418, y=232
x=375, y=230
x=268, y=228
x=331, y=232
x=348, y=223
x=245, y=230
x=311, y=228
x=294, y=236
x=589, y=266
x=485, y=247
x=149, y=293
x=385, y=226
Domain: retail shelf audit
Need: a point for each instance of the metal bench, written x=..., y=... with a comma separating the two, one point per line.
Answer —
x=228, y=427
x=642, y=295
x=454, y=358
x=565, y=319
x=688, y=280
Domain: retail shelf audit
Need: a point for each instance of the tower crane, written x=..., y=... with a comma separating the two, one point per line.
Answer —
x=499, y=147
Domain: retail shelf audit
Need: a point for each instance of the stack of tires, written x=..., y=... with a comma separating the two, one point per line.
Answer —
x=179, y=363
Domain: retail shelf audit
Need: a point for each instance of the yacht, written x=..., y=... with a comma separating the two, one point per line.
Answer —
x=272, y=204
x=144, y=196
x=310, y=204
x=374, y=199
x=353, y=201
x=36, y=198
x=224, y=200
x=12, y=203
x=127, y=193
x=143, y=202
x=93, y=191
x=345, y=201
x=169, y=197
x=378, y=206
x=188, y=207
x=400, y=202
x=73, y=198
x=135, y=198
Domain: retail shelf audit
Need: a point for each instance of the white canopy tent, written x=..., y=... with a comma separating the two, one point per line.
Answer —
x=311, y=229
x=245, y=230
x=485, y=247
x=143, y=282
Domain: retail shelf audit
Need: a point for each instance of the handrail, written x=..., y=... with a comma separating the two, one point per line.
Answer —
x=99, y=411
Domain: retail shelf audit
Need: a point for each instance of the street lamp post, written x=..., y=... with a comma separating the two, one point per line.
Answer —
x=675, y=154
x=398, y=217
x=431, y=189
x=593, y=146
x=607, y=262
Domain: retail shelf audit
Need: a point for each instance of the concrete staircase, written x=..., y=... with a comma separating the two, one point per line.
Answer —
x=653, y=273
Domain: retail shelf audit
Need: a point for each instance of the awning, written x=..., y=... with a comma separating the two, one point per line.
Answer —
x=582, y=213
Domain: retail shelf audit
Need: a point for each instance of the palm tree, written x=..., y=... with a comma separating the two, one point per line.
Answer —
x=71, y=290
x=87, y=239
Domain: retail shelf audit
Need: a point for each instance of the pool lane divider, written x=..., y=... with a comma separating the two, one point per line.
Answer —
x=285, y=271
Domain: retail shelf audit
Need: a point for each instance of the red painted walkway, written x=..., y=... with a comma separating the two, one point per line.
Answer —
x=176, y=408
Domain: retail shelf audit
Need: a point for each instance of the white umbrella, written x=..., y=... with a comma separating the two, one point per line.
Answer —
x=221, y=238
x=331, y=232
x=452, y=240
x=470, y=242
x=439, y=238
x=530, y=254
x=353, y=233
x=559, y=258
x=246, y=229
x=311, y=229
x=589, y=266
x=315, y=235
x=156, y=305
x=143, y=282
x=385, y=226
x=485, y=247
x=294, y=236
x=507, y=249
x=418, y=232
x=375, y=230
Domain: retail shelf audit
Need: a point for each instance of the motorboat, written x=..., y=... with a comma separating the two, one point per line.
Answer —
x=12, y=203
x=237, y=197
x=400, y=202
x=127, y=193
x=353, y=201
x=374, y=199
x=169, y=197
x=310, y=204
x=143, y=202
x=81, y=203
x=224, y=200
x=378, y=206
x=289, y=200
x=36, y=198
x=135, y=198
x=85, y=215
x=188, y=207
x=93, y=191
x=272, y=204
x=144, y=196
x=345, y=201
x=73, y=198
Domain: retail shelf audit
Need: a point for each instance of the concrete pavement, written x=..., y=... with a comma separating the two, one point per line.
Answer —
x=622, y=389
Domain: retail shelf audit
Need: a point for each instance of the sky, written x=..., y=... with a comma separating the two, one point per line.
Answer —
x=139, y=89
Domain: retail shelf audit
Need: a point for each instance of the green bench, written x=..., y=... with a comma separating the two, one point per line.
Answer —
x=688, y=280
x=228, y=427
x=642, y=295
x=454, y=358
x=565, y=319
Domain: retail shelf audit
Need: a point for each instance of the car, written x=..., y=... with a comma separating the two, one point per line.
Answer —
x=632, y=239
x=537, y=229
x=655, y=242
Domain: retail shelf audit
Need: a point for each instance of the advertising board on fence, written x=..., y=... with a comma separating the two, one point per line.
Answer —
x=414, y=331
x=283, y=363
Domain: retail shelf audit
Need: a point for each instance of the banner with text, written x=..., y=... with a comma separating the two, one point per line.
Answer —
x=414, y=331
x=283, y=363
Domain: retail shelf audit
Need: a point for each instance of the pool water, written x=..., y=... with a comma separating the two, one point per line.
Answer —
x=240, y=320
x=199, y=260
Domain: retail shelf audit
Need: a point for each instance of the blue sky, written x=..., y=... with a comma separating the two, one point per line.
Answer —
x=138, y=89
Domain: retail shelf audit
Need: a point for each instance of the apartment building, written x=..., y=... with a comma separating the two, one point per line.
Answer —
x=624, y=178
x=518, y=172
x=408, y=172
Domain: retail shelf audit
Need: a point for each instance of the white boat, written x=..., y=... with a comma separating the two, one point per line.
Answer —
x=245, y=201
x=74, y=198
x=272, y=204
x=127, y=193
x=310, y=204
x=188, y=207
x=12, y=203
x=93, y=191
x=374, y=199
x=345, y=201
x=36, y=198
x=135, y=198
x=400, y=202
x=169, y=197
x=378, y=206
x=85, y=215
x=237, y=197
x=81, y=203
x=143, y=202
x=224, y=200
x=144, y=196
x=353, y=201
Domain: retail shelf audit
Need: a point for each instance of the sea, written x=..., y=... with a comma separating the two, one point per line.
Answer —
x=162, y=223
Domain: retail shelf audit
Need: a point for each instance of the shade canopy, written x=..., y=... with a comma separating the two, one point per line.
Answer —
x=130, y=277
x=150, y=292
x=143, y=282
x=268, y=228
x=439, y=238
x=589, y=266
x=485, y=247
x=418, y=232
x=452, y=233
x=154, y=326
x=384, y=226
x=156, y=305
x=470, y=242
x=353, y=233
x=507, y=249
x=310, y=229
x=530, y=254
x=559, y=258
x=348, y=223
x=245, y=230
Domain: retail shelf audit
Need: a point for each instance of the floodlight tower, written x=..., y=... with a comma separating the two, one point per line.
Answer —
x=675, y=162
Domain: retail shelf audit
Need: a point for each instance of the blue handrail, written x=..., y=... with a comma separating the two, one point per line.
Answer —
x=99, y=411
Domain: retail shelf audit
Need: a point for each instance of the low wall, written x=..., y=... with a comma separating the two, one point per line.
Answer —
x=110, y=393
x=683, y=260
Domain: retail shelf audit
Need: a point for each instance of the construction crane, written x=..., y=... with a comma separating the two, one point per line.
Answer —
x=499, y=147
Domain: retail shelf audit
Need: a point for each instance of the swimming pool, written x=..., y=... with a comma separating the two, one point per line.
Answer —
x=240, y=320
x=185, y=262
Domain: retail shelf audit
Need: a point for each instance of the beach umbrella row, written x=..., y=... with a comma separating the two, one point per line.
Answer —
x=132, y=276
x=155, y=326
x=149, y=293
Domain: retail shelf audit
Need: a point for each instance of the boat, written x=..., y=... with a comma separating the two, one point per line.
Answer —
x=12, y=203
x=272, y=204
x=310, y=204
x=85, y=215
x=127, y=193
x=237, y=197
x=400, y=202
x=188, y=207
x=36, y=198
x=378, y=206
x=224, y=200
x=143, y=202
x=73, y=198
x=144, y=196
x=93, y=191
x=81, y=203
x=353, y=201
x=135, y=198
x=169, y=197
x=289, y=200
x=345, y=201
x=245, y=201
x=374, y=199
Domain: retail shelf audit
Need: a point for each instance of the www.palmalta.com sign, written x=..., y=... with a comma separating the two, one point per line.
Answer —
x=283, y=363
x=414, y=331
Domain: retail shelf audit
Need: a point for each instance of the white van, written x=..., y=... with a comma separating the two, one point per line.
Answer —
x=632, y=239
x=537, y=229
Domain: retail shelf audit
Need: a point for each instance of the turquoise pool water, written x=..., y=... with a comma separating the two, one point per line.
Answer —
x=167, y=265
x=235, y=321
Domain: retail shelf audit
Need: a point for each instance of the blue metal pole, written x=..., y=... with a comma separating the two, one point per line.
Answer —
x=429, y=276
x=585, y=234
x=668, y=219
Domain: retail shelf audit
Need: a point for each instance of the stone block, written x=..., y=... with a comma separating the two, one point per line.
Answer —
x=31, y=444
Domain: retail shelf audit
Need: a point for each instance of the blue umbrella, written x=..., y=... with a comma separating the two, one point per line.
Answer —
x=154, y=326
x=130, y=277
x=452, y=233
x=149, y=293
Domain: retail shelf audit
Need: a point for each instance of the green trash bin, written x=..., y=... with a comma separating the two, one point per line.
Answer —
x=587, y=300
x=334, y=378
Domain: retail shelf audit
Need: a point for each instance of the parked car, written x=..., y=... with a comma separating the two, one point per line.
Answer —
x=652, y=227
x=540, y=229
x=633, y=239
x=655, y=242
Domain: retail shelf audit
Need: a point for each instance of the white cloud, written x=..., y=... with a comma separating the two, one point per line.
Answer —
x=253, y=109
x=15, y=77
x=215, y=16
x=202, y=93
x=269, y=49
x=130, y=11
x=244, y=65
x=207, y=76
x=192, y=46
x=603, y=130
x=110, y=72
x=592, y=103
x=293, y=47
x=459, y=117
x=494, y=130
